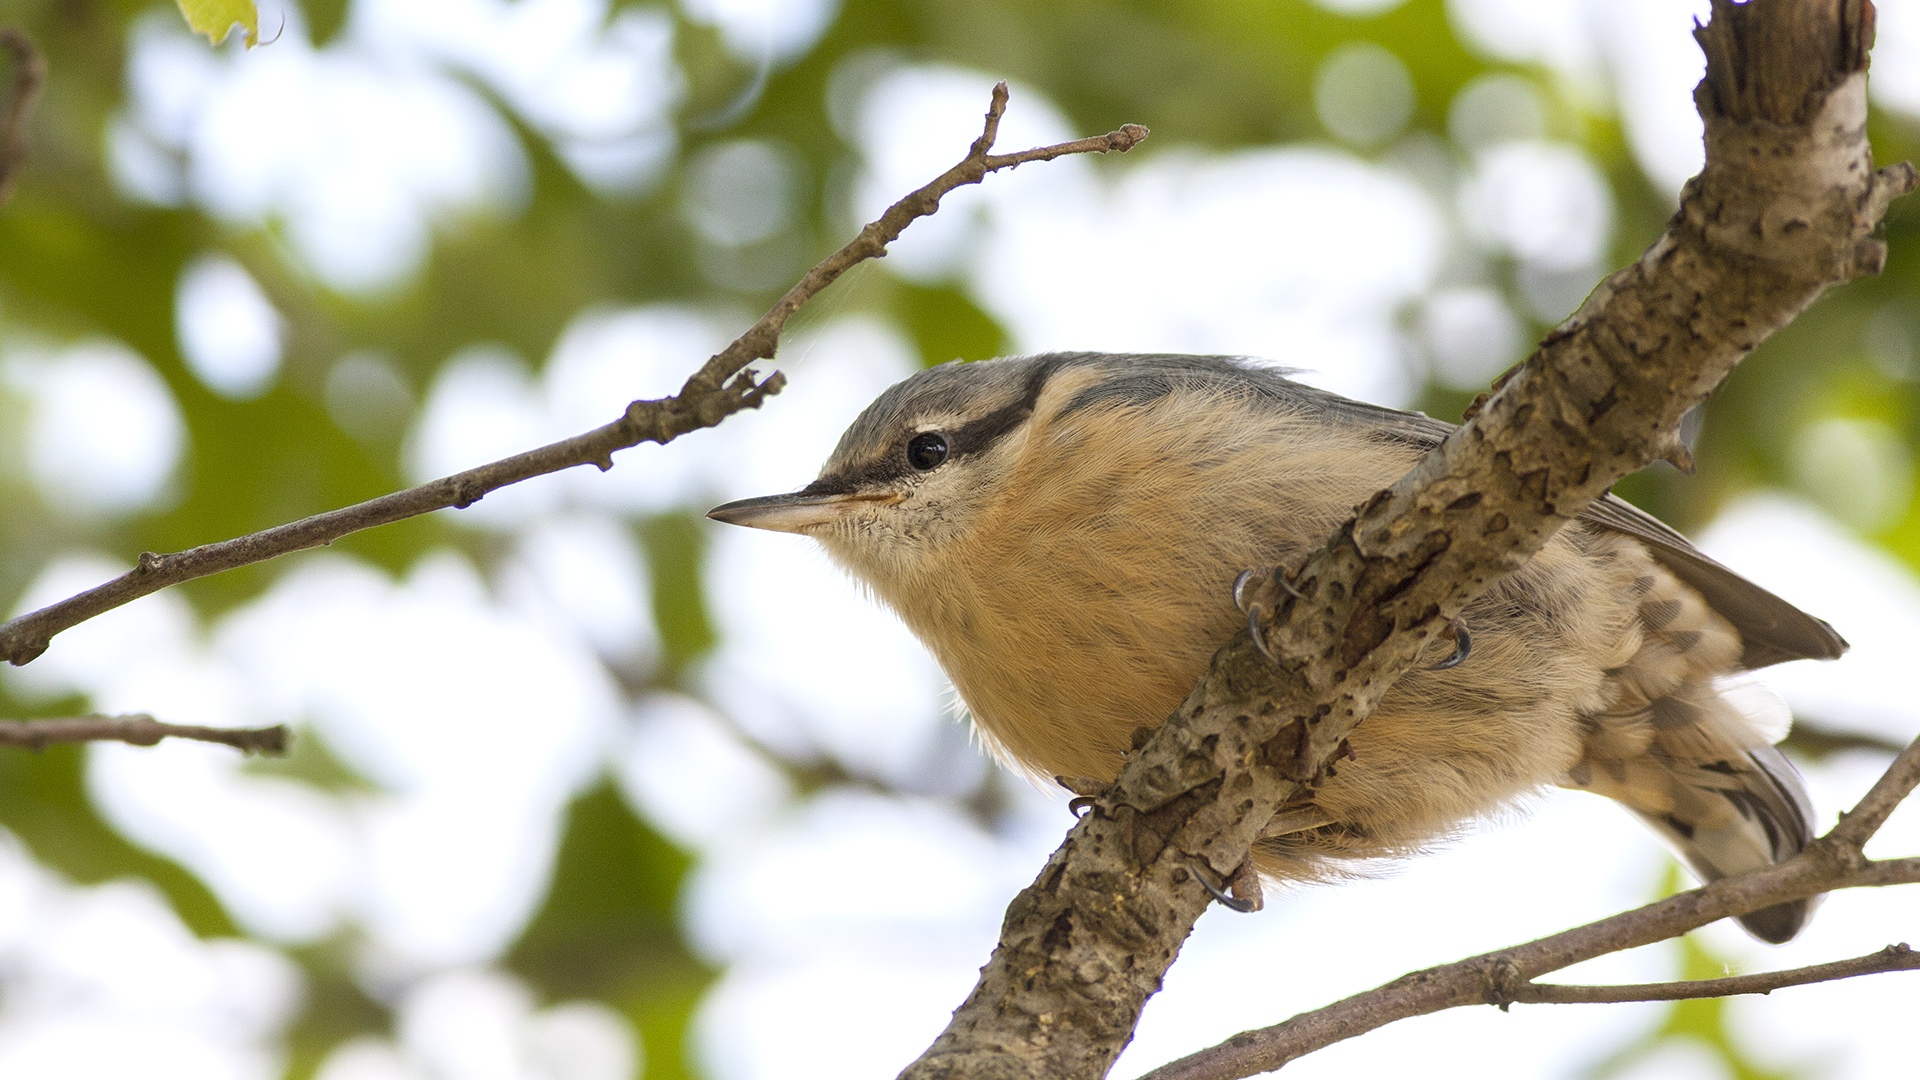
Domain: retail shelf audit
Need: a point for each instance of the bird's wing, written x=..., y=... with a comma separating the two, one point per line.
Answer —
x=1772, y=630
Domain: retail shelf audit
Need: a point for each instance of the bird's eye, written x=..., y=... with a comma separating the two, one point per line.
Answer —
x=926, y=450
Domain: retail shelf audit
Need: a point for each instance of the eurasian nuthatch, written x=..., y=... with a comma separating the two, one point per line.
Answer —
x=1064, y=531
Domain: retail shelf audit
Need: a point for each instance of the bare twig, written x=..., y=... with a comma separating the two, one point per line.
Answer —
x=1817, y=741
x=1504, y=976
x=1785, y=208
x=758, y=343
x=1888, y=872
x=29, y=76
x=140, y=730
x=722, y=387
x=1498, y=978
x=1892, y=958
x=1859, y=824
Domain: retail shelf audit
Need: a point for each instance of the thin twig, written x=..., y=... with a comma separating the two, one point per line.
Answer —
x=29, y=76
x=140, y=730
x=1830, y=863
x=1122, y=140
x=758, y=343
x=1818, y=741
x=1887, y=872
x=1892, y=958
x=722, y=387
x=1500, y=977
x=1860, y=823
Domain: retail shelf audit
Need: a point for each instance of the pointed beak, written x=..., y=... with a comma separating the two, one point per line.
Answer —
x=796, y=513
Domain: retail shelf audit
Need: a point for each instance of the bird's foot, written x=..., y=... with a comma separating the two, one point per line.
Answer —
x=1242, y=893
x=1258, y=594
x=1086, y=792
x=1462, y=646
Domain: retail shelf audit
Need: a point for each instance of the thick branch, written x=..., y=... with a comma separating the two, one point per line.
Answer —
x=1892, y=958
x=1784, y=209
x=719, y=389
x=29, y=76
x=138, y=729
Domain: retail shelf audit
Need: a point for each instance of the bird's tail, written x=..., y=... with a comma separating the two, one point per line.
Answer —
x=1692, y=754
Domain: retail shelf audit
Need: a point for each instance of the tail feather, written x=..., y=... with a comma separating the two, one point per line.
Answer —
x=1690, y=753
x=1755, y=815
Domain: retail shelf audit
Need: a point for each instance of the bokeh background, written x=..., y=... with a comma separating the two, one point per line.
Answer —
x=586, y=787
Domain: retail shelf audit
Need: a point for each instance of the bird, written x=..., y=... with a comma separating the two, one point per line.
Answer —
x=1064, y=531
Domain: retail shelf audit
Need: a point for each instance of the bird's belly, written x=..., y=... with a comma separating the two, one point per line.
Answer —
x=1067, y=702
x=1064, y=696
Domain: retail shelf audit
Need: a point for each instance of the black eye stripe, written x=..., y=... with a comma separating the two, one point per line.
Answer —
x=966, y=439
x=982, y=433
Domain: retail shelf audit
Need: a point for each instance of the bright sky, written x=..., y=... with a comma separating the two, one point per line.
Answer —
x=832, y=969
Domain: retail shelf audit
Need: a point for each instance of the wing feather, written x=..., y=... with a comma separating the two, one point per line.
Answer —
x=1771, y=629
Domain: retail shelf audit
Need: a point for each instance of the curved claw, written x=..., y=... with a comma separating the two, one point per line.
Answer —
x=1286, y=584
x=1226, y=901
x=1462, y=646
x=1240, y=589
x=1079, y=804
x=1258, y=635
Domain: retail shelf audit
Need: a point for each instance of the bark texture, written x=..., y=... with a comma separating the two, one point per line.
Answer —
x=1784, y=208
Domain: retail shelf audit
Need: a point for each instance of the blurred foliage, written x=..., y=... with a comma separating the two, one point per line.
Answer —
x=80, y=259
x=607, y=929
x=674, y=543
x=215, y=18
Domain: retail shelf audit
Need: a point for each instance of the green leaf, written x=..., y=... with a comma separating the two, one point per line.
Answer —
x=215, y=18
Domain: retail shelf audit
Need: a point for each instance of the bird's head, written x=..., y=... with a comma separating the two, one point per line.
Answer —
x=913, y=473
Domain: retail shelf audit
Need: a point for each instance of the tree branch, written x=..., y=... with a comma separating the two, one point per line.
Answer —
x=1892, y=958
x=1784, y=208
x=29, y=76
x=1498, y=978
x=758, y=343
x=1888, y=872
x=722, y=387
x=140, y=730
x=1832, y=862
x=1815, y=740
x=1859, y=824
